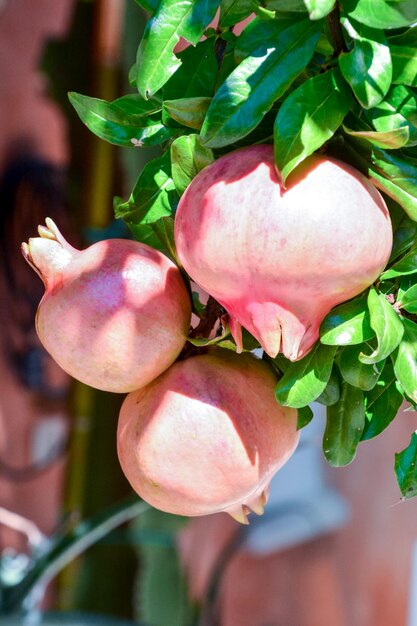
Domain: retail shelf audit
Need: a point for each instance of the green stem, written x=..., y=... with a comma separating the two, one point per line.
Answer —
x=67, y=548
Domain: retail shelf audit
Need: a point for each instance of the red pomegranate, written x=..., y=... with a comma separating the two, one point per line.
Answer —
x=278, y=259
x=206, y=436
x=115, y=315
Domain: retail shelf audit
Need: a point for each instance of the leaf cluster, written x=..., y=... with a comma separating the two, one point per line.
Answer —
x=305, y=75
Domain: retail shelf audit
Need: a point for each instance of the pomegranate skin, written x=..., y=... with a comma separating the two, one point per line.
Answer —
x=279, y=259
x=113, y=316
x=206, y=436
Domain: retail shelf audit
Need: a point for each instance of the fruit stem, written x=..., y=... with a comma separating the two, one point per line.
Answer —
x=212, y=313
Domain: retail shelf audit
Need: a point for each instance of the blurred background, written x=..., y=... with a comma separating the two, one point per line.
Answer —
x=335, y=546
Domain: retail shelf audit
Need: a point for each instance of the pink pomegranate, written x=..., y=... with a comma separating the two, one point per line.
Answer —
x=279, y=259
x=115, y=315
x=206, y=436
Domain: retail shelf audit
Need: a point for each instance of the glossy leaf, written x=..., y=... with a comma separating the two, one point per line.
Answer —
x=382, y=404
x=398, y=110
x=305, y=415
x=164, y=230
x=390, y=140
x=406, y=265
x=153, y=195
x=260, y=32
x=319, y=8
x=347, y=324
x=344, y=425
x=234, y=11
x=382, y=14
x=406, y=468
x=405, y=231
x=296, y=6
x=156, y=61
x=404, y=65
x=396, y=176
x=407, y=200
x=409, y=300
x=197, y=75
x=308, y=118
x=189, y=112
x=356, y=373
x=405, y=359
x=127, y=121
x=149, y=5
x=188, y=157
x=306, y=379
x=251, y=89
x=387, y=326
x=331, y=392
x=368, y=67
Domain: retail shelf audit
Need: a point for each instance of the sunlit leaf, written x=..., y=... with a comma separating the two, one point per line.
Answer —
x=188, y=157
x=156, y=61
x=306, y=379
x=308, y=118
x=251, y=89
x=367, y=67
x=347, y=324
x=387, y=326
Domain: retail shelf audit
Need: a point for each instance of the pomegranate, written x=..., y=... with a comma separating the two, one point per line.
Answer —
x=115, y=315
x=206, y=436
x=278, y=259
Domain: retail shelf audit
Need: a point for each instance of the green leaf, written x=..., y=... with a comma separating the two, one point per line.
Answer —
x=404, y=65
x=306, y=379
x=197, y=75
x=405, y=230
x=162, y=596
x=308, y=118
x=251, y=89
x=409, y=300
x=397, y=177
x=305, y=415
x=406, y=469
x=164, y=230
x=260, y=32
x=319, y=8
x=188, y=157
x=127, y=121
x=387, y=326
x=382, y=404
x=406, y=265
x=355, y=372
x=407, y=200
x=331, y=393
x=405, y=359
x=347, y=324
x=382, y=14
x=297, y=6
x=234, y=11
x=344, y=426
x=149, y=5
x=398, y=110
x=368, y=67
x=156, y=62
x=153, y=195
x=188, y=111
x=390, y=140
